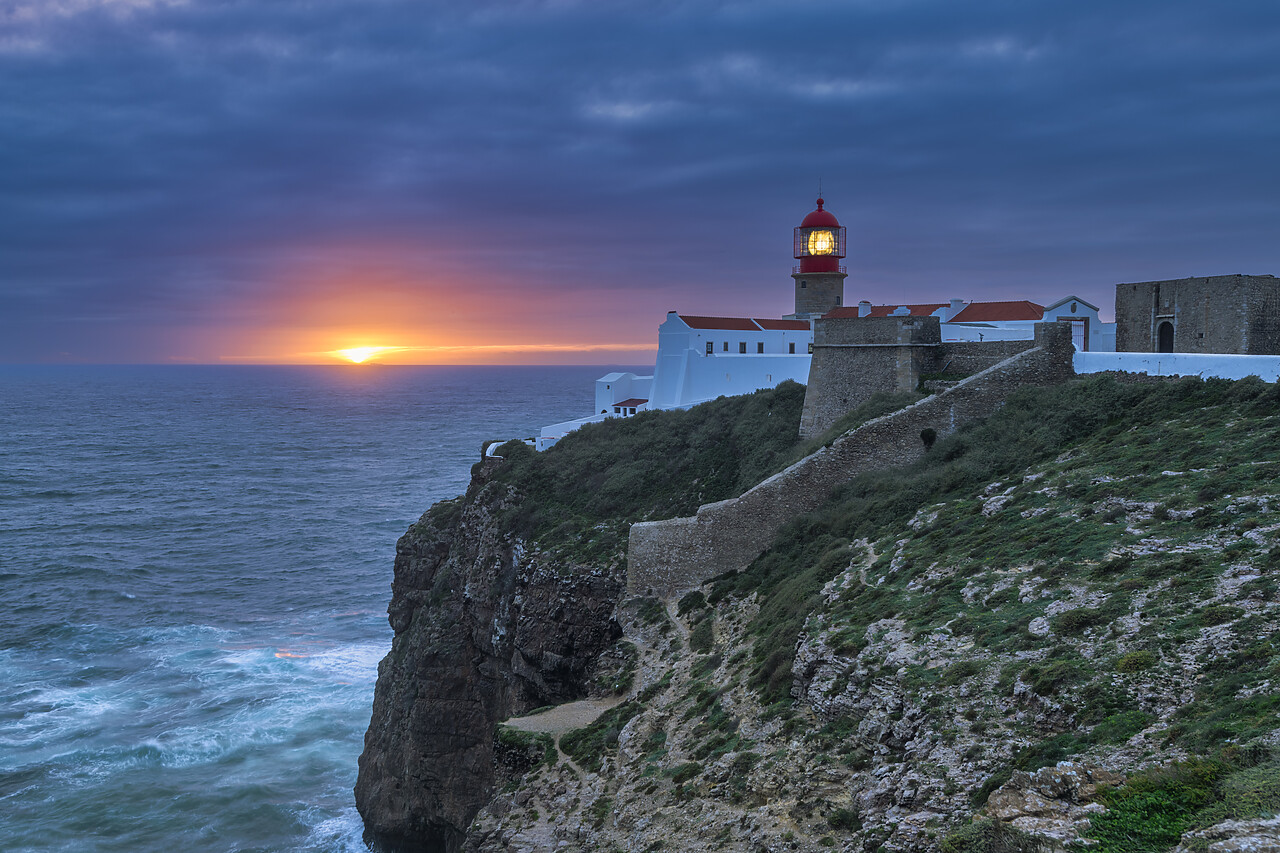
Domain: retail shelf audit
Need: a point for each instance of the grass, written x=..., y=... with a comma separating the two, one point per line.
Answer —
x=1093, y=441
x=581, y=495
x=589, y=746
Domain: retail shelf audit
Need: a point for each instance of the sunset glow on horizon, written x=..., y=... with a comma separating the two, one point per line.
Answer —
x=535, y=205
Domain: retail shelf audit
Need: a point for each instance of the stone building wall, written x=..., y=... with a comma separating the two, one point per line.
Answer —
x=1237, y=314
x=680, y=553
x=818, y=292
x=854, y=357
x=974, y=356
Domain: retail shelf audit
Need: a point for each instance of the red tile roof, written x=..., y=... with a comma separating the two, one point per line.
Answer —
x=783, y=325
x=634, y=401
x=923, y=310
x=990, y=312
x=729, y=324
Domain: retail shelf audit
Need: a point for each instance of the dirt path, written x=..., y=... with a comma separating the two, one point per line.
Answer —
x=675, y=620
x=565, y=718
x=574, y=715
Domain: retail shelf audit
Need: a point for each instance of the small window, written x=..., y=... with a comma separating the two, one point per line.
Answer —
x=811, y=348
x=804, y=283
x=711, y=347
x=633, y=410
x=617, y=410
x=791, y=348
x=1073, y=308
x=837, y=300
x=742, y=347
x=726, y=346
x=759, y=346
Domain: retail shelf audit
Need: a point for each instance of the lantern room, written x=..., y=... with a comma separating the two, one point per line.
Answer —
x=819, y=242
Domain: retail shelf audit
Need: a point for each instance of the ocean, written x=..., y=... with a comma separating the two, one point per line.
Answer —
x=195, y=564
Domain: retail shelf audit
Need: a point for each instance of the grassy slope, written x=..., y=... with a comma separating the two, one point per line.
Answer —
x=581, y=495
x=1153, y=508
x=1133, y=527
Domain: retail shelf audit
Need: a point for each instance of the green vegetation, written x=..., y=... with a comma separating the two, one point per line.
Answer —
x=537, y=749
x=581, y=495
x=1098, y=450
x=1136, y=661
x=702, y=636
x=877, y=405
x=589, y=745
x=844, y=819
x=990, y=836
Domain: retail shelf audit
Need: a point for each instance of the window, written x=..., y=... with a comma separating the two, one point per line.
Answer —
x=742, y=347
x=837, y=300
x=810, y=347
x=759, y=346
x=791, y=348
x=1073, y=308
x=633, y=410
x=804, y=283
x=711, y=347
x=617, y=410
x=726, y=346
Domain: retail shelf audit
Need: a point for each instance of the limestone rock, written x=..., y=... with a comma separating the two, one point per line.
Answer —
x=1235, y=836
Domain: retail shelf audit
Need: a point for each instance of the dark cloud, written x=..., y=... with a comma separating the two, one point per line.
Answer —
x=162, y=162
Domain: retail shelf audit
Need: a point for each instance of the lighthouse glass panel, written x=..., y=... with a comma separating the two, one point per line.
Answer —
x=822, y=243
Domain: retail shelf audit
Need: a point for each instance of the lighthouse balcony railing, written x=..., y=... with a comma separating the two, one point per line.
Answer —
x=841, y=268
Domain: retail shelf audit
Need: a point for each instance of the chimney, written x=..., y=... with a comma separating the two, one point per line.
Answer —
x=864, y=308
x=957, y=305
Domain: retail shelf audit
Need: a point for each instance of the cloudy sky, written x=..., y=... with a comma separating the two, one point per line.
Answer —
x=540, y=181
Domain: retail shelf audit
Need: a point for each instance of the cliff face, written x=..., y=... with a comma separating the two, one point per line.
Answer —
x=484, y=628
x=1017, y=628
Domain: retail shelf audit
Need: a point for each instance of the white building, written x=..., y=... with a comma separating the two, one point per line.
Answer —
x=1001, y=321
x=702, y=358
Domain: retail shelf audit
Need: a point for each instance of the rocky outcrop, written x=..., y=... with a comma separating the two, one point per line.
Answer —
x=1054, y=802
x=1234, y=836
x=485, y=627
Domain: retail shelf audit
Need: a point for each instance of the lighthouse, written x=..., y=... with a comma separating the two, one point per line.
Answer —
x=819, y=277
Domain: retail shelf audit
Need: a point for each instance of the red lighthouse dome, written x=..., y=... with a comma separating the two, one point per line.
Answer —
x=819, y=242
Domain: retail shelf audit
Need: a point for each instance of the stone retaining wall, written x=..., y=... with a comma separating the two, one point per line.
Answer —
x=664, y=557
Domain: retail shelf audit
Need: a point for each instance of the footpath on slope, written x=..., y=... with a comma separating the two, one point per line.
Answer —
x=562, y=719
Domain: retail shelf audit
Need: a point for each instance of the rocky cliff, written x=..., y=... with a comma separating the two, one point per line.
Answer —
x=1060, y=627
x=485, y=628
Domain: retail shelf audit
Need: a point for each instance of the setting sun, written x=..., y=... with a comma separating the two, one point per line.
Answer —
x=359, y=355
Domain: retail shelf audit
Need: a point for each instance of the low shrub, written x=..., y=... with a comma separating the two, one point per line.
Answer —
x=991, y=836
x=589, y=745
x=1135, y=661
x=845, y=820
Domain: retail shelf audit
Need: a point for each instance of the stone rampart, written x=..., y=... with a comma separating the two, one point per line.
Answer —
x=664, y=557
x=855, y=357
x=976, y=356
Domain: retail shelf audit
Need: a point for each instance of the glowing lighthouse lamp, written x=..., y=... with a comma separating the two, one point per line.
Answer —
x=819, y=277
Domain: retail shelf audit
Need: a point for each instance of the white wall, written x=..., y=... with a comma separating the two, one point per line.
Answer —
x=615, y=387
x=708, y=377
x=1266, y=367
x=686, y=374
x=551, y=434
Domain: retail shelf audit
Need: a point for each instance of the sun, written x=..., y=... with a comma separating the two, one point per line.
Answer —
x=359, y=355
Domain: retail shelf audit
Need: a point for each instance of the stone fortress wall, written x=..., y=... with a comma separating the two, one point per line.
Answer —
x=667, y=556
x=1237, y=314
x=856, y=357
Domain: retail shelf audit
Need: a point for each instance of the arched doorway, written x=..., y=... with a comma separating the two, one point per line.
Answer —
x=1164, y=337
